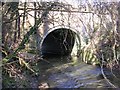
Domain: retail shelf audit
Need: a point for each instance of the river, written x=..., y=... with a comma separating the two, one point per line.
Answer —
x=67, y=72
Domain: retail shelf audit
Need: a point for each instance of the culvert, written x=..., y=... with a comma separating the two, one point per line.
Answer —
x=59, y=42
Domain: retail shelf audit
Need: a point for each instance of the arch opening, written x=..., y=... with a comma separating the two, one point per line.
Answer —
x=59, y=42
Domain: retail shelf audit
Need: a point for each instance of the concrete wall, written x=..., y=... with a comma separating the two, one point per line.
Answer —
x=58, y=42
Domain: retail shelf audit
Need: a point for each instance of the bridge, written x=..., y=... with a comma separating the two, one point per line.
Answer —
x=65, y=28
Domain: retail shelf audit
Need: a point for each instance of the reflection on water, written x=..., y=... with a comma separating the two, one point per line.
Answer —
x=70, y=72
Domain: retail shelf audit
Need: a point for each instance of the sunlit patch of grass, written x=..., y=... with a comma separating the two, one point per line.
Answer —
x=89, y=57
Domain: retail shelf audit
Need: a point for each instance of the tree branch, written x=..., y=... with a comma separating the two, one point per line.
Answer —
x=27, y=35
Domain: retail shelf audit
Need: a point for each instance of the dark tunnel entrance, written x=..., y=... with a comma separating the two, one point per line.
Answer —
x=59, y=42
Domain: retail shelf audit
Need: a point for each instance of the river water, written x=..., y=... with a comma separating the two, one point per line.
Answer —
x=67, y=72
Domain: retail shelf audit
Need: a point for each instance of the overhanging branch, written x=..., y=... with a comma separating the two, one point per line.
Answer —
x=27, y=35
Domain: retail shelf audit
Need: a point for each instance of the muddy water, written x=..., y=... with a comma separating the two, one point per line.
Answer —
x=66, y=72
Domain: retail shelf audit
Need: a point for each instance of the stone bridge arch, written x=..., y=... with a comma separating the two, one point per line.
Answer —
x=60, y=40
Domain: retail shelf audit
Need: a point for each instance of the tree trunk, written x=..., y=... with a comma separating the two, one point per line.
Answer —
x=18, y=26
x=118, y=24
x=37, y=35
x=15, y=32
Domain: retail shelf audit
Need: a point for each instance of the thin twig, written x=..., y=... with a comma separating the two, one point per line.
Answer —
x=104, y=73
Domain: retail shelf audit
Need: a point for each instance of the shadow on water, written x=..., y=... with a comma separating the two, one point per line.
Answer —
x=70, y=72
x=53, y=61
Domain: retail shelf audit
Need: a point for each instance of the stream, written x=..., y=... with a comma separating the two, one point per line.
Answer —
x=67, y=72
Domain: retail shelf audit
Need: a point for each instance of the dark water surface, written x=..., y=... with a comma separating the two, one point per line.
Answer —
x=63, y=72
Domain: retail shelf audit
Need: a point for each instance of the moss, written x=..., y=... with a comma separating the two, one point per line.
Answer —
x=8, y=82
x=32, y=51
